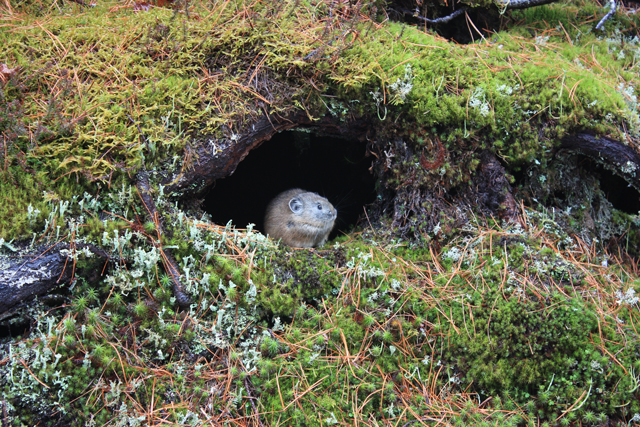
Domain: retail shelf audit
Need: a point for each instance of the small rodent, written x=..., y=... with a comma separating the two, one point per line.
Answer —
x=301, y=219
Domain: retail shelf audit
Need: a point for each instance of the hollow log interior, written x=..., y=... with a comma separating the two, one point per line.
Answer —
x=335, y=168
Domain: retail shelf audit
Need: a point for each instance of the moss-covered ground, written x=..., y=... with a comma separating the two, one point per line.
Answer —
x=500, y=326
x=484, y=324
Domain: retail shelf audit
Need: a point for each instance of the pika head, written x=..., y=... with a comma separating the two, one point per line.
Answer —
x=300, y=218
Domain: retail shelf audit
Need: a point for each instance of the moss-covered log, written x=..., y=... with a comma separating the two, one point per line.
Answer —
x=491, y=267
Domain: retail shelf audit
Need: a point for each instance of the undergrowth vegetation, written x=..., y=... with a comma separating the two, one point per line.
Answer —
x=480, y=323
x=522, y=325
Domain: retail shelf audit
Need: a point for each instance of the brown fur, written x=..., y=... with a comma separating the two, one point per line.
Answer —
x=299, y=218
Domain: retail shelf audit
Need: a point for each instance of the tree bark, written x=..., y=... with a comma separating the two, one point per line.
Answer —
x=621, y=159
x=208, y=159
x=38, y=273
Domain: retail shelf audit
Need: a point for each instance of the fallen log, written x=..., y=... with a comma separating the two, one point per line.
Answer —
x=40, y=272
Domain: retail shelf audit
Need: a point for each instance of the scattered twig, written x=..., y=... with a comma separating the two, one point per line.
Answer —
x=442, y=20
x=171, y=267
x=82, y=3
x=614, y=6
x=422, y=419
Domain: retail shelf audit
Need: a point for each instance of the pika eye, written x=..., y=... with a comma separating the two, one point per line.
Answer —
x=319, y=207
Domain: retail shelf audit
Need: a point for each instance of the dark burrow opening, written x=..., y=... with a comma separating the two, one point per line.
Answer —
x=14, y=327
x=474, y=24
x=622, y=196
x=580, y=172
x=335, y=168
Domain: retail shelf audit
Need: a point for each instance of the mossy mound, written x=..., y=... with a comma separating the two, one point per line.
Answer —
x=96, y=94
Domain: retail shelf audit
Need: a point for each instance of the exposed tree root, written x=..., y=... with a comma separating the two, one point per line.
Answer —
x=492, y=188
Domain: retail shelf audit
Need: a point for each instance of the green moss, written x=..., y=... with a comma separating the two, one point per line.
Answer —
x=21, y=190
x=298, y=277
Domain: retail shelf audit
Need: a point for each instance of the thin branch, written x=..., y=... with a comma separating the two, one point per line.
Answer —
x=442, y=20
x=522, y=4
x=622, y=160
x=614, y=7
x=503, y=4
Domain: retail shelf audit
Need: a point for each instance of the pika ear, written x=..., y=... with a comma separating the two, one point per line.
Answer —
x=295, y=205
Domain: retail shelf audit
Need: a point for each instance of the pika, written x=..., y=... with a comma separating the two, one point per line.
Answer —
x=300, y=218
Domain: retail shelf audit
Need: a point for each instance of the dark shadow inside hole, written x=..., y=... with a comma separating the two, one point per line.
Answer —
x=471, y=26
x=332, y=167
x=617, y=191
x=12, y=329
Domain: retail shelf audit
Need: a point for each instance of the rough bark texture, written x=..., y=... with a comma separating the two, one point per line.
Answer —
x=214, y=159
x=38, y=273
